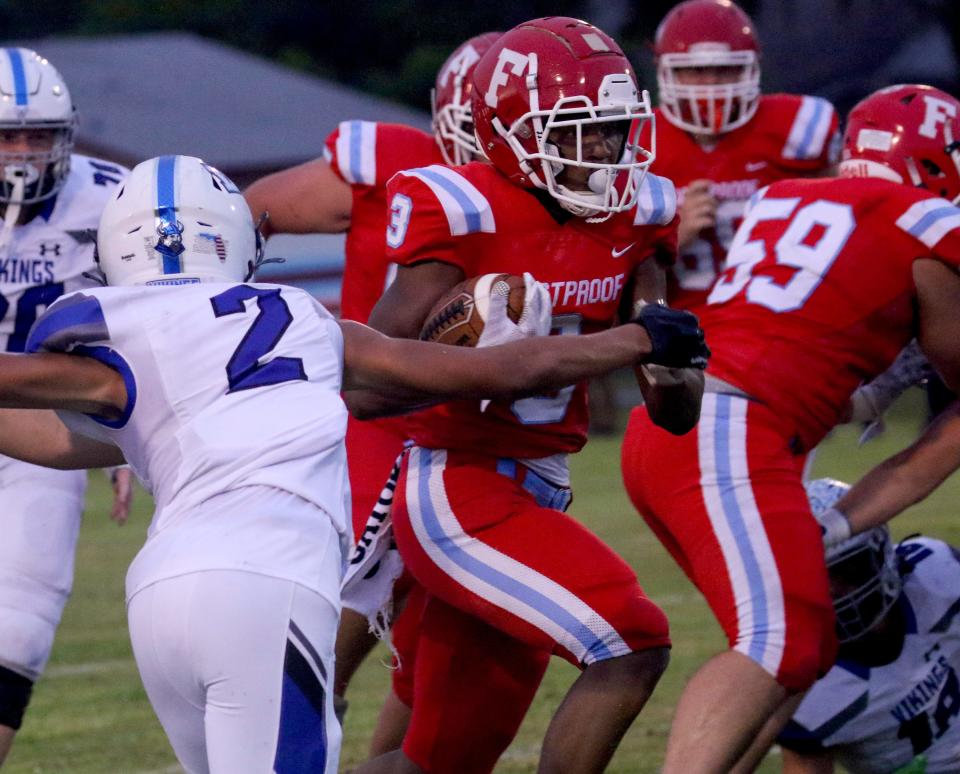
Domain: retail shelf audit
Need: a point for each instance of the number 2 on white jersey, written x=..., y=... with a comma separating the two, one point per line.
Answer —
x=794, y=249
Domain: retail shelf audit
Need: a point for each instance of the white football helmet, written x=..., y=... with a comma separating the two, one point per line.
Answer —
x=176, y=220
x=34, y=100
x=865, y=582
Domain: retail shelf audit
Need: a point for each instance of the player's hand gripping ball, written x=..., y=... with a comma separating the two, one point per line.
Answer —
x=488, y=310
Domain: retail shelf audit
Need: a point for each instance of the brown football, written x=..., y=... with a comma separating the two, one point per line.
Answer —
x=459, y=316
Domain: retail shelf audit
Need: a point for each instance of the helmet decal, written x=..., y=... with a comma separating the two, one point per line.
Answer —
x=169, y=230
x=908, y=134
x=937, y=115
x=517, y=63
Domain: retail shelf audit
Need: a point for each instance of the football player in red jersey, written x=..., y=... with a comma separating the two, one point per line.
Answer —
x=345, y=190
x=719, y=139
x=478, y=514
x=826, y=281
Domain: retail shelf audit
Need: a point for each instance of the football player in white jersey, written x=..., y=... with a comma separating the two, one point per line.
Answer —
x=891, y=702
x=50, y=202
x=224, y=397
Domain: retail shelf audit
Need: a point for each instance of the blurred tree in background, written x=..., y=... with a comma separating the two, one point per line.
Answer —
x=841, y=49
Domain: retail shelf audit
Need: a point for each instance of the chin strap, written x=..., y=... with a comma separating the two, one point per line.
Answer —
x=12, y=213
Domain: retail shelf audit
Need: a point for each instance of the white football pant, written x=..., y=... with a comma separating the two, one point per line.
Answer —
x=40, y=513
x=239, y=669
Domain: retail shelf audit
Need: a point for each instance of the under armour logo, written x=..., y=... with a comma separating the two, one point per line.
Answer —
x=50, y=248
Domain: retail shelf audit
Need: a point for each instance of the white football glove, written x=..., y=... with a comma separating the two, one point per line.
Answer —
x=534, y=320
x=834, y=526
x=871, y=401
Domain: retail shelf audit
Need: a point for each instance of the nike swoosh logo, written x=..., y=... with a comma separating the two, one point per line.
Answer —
x=617, y=253
x=753, y=166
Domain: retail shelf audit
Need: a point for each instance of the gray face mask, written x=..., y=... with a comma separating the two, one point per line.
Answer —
x=33, y=176
x=864, y=580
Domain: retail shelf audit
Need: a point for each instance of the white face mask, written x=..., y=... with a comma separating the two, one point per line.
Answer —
x=706, y=108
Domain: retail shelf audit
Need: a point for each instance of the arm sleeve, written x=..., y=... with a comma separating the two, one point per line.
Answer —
x=76, y=325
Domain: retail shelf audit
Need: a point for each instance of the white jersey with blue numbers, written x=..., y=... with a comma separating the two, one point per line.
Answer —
x=229, y=386
x=878, y=719
x=48, y=256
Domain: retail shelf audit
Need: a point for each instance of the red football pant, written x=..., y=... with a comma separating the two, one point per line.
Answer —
x=372, y=448
x=728, y=502
x=537, y=581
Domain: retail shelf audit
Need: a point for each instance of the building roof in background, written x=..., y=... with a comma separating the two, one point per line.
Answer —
x=145, y=95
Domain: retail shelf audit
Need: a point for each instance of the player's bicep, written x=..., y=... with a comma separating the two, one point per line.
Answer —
x=938, y=295
x=41, y=438
x=308, y=198
x=53, y=380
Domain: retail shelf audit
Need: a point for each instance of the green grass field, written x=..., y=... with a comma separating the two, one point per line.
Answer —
x=89, y=714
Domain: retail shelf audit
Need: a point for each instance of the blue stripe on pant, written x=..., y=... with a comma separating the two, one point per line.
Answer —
x=302, y=742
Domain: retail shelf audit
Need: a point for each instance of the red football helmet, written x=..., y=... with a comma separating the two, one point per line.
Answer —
x=694, y=39
x=450, y=101
x=553, y=101
x=909, y=134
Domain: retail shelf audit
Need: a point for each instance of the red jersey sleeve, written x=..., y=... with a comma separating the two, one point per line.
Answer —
x=655, y=221
x=429, y=213
x=368, y=153
x=935, y=223
x=811, y=128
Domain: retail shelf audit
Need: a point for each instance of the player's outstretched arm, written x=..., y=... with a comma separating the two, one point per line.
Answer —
x=305, y=199
x=906, y=478
x=938, y=299
x=39, y=436
x=420, y=372
x=56, y=381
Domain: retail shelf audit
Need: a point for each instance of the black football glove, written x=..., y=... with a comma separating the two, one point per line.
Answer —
x=676, y=336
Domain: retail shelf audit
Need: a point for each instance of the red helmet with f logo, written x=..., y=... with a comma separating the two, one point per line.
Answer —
x=909, y=134
x=553, y=101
